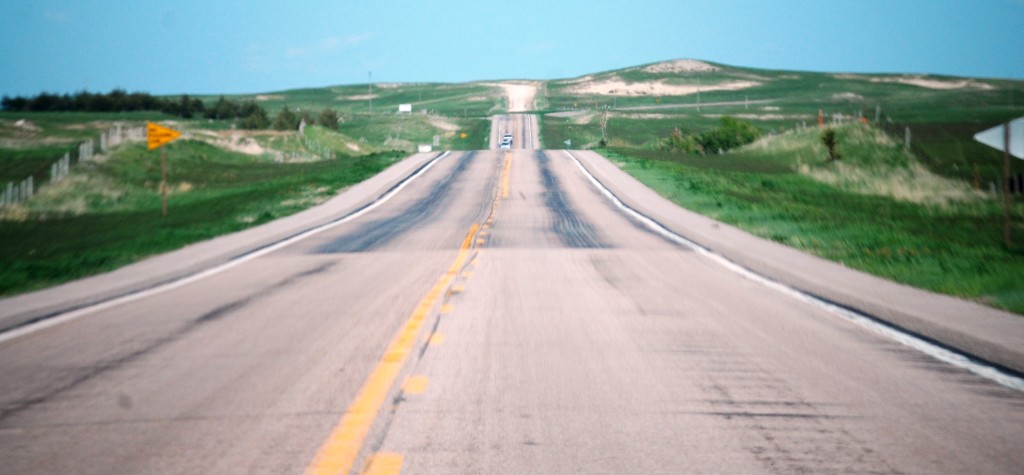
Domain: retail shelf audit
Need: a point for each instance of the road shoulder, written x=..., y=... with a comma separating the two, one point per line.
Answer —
x=168, y=267
x=968, y=327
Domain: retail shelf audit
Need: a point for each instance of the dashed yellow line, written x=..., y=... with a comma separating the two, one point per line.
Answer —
x=384, y=463
x=339, y=452
x=505, y=174
x=436, y=339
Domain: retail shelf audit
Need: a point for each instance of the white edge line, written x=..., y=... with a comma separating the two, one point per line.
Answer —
x=131, y=297
x=928, y=348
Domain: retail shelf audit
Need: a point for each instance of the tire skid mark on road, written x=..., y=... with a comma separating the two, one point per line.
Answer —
x=934, y=349
x=377, y=233
x=572, y=229
x=782, y=430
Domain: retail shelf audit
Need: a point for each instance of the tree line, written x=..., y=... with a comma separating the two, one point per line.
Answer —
x=246, y=114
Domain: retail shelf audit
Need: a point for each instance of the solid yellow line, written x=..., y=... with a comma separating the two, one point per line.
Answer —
x=340, y=450
x=505, y=174
x=384, y=463
x=415, y=385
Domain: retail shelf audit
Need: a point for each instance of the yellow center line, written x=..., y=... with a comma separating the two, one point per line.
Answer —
x=340, y=450
x=384, y=463
x=415, y=385
x=505, y=174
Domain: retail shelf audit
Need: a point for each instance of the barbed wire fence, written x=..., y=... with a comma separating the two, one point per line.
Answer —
x=19, y=192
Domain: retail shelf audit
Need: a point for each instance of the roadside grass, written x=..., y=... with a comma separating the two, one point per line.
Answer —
x=108, y=213
x=69, y=127
x=953, y=246
x=404, y=132
x=340, y=143
x=20, y=163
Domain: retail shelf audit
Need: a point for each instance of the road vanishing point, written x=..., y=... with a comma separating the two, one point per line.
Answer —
x=501, y=312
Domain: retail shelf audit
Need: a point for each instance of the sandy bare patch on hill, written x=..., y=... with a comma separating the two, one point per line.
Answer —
x=269, y=97
x=234, y=141
x=241, y=141
x=922, y=81
x=937, y=83
x=847, y=96
x=681, y=66
x=618, y=87
x=520, y=95
x=578, y=80
x=443, y=123
x=358, y=97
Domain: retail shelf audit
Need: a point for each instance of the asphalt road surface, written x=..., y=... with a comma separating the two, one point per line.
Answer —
x=523, y=128
x=498, y=315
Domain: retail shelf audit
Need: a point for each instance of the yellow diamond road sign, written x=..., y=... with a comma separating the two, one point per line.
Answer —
x=157, y=135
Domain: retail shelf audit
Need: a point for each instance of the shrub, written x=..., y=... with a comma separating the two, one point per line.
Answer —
x=730, y=133
x=828, y=137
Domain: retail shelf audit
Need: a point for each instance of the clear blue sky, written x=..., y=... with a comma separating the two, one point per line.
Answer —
x=236, y=46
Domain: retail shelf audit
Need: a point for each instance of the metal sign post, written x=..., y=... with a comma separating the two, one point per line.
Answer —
x=158, y=136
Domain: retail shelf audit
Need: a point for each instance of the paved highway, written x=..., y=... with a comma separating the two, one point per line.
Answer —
x=523, y=128
x=497, y=315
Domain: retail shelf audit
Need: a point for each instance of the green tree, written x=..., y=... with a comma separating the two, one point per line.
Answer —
x=222, y=109
x=682, y=142
x=286, y=120
x=328, y=118
x=730, y=133
x=185, y=107
x=252, y=116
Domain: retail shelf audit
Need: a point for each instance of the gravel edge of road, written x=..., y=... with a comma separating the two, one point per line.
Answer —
x=993, y=336
x=23, y=309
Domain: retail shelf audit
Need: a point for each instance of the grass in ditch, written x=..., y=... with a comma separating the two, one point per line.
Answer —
x=20, y=163
x=107, y=213
x=789, y=193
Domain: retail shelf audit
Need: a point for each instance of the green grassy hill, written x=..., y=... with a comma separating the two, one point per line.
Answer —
x=923, y=215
